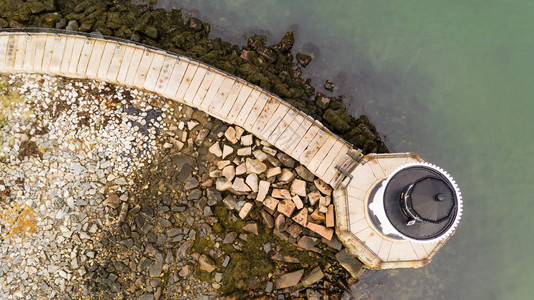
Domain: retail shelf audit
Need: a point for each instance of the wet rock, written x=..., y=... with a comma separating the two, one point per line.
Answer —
x=307, y=242
x=334, y=243
x=298, y=187
x=315, y=275
x=214, y=196
x=263, y=189
x=230, y=202
x=350, y=263
x=323, y=187
x=147, y=296
x=229, y=237
x=303, y=59
x=304, y=173
x=255, y=166
x=289, y=279
x=251, y=227
x=206, y=264
x=294, y=230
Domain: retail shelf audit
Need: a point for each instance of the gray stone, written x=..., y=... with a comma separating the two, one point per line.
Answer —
x=226, y=261
x=289, y=279
x=304, y=173
x=155, y=269
x=147, y=297
x=229, y=237
x=184, y=249
x=315, y=275
x=230, y=202
x=185, y=271
x=191, y=183
x=286, y=160
x=350, y=263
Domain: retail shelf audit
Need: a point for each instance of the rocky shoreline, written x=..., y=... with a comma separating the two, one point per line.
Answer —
x=272, y=67
x=125, y=194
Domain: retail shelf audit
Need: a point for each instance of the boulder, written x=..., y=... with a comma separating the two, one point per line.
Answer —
x=298, y=187
x=289, y=279
x=315, y=275
x=327, y=233
x=255, y=166
x=304, y=173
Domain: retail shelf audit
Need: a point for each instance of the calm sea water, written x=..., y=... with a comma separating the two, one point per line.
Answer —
x=451, y=80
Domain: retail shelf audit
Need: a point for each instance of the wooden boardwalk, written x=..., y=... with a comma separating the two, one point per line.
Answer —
x=182, y=79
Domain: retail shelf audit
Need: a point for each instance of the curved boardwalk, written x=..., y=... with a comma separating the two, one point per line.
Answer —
x=182, y=79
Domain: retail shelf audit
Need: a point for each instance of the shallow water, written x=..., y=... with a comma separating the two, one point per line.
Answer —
x=450, y=80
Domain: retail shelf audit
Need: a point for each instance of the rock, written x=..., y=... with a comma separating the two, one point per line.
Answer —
x=246, y=140
x=303, y=59
x=350, y=263
x=330, y=220
x=251, y=227
x=213, y=195
x=286, y=207
x=112, y=201
x=298, y=202
x=334, y=243
x=241, y=169
x=228, y=172
x=230, y=135
x=223, y=163
x=304, y=173
x=255, y=166
x=315, y=275
x=280, y=223
x=267, y=219
x=298, y=187
x=226, y=261
x=230, y=202
x=186, y=271
x=286, y=175
x=327, y=233
x=286, y=160
x=184, y=249
x=191, y=183
x=289, y=279
x=244, y=151
x=215, y=149
x=240, y=186
x=263, y=189
x=311, y=294
x=329, y=85
x=270, y=203
x=192, y=124
x=294, y=230
x=227, y=150
x=307, y=242
x=243, y=212
x=273, y=172
x=260, y=155
x=317, y=215
x=314, y=197
x=252, y=182
x=301, y=217
x=323, y=187
x=206, y=264
x=155, y=269
x=269, y=287
x=281, y=194
x=229, y=237
x=147, y=297
x=223, y=184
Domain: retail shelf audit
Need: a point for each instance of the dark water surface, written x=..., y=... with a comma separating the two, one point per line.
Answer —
x=451, y=80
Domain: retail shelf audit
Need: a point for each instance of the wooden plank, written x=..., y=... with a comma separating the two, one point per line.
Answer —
x=331, y=171
x=305, y=141
x=67, y=56
x=94, y=60
x=165, y=74
x=105, y=62
x=320, y=154
x=211, y=91
x=328, y=160
x=3, y=50
x=176, y=78
x=134, y=65
x=29, y=54
x=266, y=114
x=10, y=54
x=284, y=141
x=282, y=126
x=77, y=49
x=154, y=71
x=142, y=70
x=314, y=147
x=230, y=99
x=255, y=112
x=57, y=54
x=189, y=96
x=186, y=81
x=83, y=62
x=117, y=62
x=297, y=136
x=125, y=64
x=238, y=103
x=222, y=93
x=203, y=89
x=20, y=52
x=49, y=50
x=275, y=120
x=248, y=105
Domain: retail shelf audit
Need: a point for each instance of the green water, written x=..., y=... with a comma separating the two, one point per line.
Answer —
x=451, y=80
